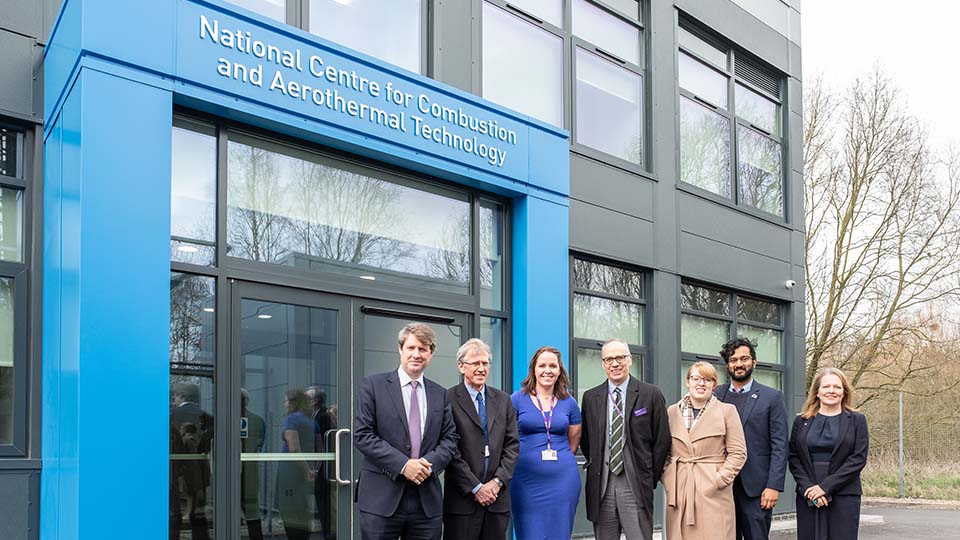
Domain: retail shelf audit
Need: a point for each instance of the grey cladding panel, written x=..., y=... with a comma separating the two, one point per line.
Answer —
x=15, y=492
x=610, y=187
x=453, y=43
x=714, y=262
x=600, y=231
x=16, y=73
x=21, y=16
x=733, y=228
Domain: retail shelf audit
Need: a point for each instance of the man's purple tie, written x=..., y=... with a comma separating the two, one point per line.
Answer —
x=414, y=420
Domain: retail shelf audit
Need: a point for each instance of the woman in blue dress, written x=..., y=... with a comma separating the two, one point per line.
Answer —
x=546, y=484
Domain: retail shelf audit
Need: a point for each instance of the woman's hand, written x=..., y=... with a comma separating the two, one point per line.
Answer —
x=814, y=492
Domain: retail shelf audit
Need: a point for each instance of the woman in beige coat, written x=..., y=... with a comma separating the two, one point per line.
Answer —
x=707, y=452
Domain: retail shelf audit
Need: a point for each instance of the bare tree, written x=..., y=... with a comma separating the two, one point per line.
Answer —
x=257, y=220
x=882, y=235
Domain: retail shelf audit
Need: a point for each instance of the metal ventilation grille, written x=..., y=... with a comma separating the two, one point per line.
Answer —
x=757, y=76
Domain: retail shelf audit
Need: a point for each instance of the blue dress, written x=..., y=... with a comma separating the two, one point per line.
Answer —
x=544, y=494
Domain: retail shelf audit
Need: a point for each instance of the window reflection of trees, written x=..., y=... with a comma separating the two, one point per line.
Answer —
x=257, y=224
x=704, y=148
x=602, y=319
x=759, y=172
x=758, y=310
x=191, y=328
x=704, y=299
x=608, y=279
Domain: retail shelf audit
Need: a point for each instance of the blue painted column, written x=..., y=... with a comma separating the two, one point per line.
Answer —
x=106, y=312
x=541, y=291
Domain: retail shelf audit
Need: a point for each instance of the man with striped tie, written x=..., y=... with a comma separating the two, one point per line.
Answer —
x=626, y=439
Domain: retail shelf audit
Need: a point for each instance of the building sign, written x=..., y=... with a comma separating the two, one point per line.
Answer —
x=231, y=54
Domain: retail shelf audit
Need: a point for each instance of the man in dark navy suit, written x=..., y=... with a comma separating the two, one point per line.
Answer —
x=403, y=426
x=764, y=418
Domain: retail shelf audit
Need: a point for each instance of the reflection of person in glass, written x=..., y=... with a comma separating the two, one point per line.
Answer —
x=324, y=424
x=296, y=477
x=252, y=433
x=191, y=433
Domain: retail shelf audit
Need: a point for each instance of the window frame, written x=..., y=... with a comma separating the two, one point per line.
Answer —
x=733, y=320
x=736, y=122
x=570, y=44
x=576, y=343
x=19, y=274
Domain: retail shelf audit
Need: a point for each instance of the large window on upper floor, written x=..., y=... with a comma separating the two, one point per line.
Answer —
x=711, y=316
x=388, y=30
x=524, y=45
x=731, y=134
x=14, y=304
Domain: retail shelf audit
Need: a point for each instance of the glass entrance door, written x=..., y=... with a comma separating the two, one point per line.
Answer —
x=291, y=356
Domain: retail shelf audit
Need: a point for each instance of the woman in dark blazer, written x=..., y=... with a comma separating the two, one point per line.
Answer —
x=828, y=449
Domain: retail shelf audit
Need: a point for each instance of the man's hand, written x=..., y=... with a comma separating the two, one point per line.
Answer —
x=417, y=470
x=487, y=494
x=768, y=499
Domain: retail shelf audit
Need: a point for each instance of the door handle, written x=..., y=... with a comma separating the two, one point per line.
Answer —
x=336, y=457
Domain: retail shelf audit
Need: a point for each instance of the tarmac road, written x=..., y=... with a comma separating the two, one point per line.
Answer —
x=902, y=524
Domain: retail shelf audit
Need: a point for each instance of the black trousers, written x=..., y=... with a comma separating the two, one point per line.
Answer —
x=482, y=524
x=407, y=523
x=753, y=522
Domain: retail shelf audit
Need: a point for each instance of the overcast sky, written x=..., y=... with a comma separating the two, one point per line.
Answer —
x=914, y=42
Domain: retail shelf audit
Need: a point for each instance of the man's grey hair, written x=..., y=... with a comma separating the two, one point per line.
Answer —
x=617, y=340
x=471, y=347
x=187, y=390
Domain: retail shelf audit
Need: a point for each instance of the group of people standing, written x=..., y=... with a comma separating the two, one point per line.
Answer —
x=721, y=452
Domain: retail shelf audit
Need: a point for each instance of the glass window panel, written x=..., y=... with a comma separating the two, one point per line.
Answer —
x=275, y=9
x=758, y=110
x=380, y=352
x=603, y=319
x=706, y=83
x=289, y=358
x=607, y=279
x=760, y=176
x=590, y=371
x=491, y=259
x=768, y=342
x=10, y=141
x=7, y=319
x=609, y=107
x=704, y=299
x=773, y=379
x=286, y=207
x=492, y=332
x=610, y=33
x=548, y=10
x=704, y=148
x=699, y=335
x=193, y=181
x=11, y=225
x=389, y=31
x=192, y=355
x=703, y=49
x=517, y=54
x=758, y=310
x=192, y=253
x=684, y=366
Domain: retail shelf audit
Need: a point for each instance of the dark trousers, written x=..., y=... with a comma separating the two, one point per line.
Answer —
x=753, y=522
x=407, y=523
x=480, y=525
x=840, y=520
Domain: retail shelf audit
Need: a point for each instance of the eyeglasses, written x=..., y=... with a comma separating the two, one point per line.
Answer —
x=475, y=365
x=695, y=379
x=740, y=359
x=620, y=359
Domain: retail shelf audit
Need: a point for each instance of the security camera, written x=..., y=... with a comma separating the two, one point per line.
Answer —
x=789, y=283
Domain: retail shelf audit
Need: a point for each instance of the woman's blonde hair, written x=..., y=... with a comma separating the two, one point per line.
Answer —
x=705, y=370
x=812, y=406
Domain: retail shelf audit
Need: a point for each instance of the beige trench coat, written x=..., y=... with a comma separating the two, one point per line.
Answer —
x=699, y=475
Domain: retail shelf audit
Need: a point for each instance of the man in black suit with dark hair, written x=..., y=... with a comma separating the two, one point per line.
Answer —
x=476, y=500
x=764, y=418
x=404, y=428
